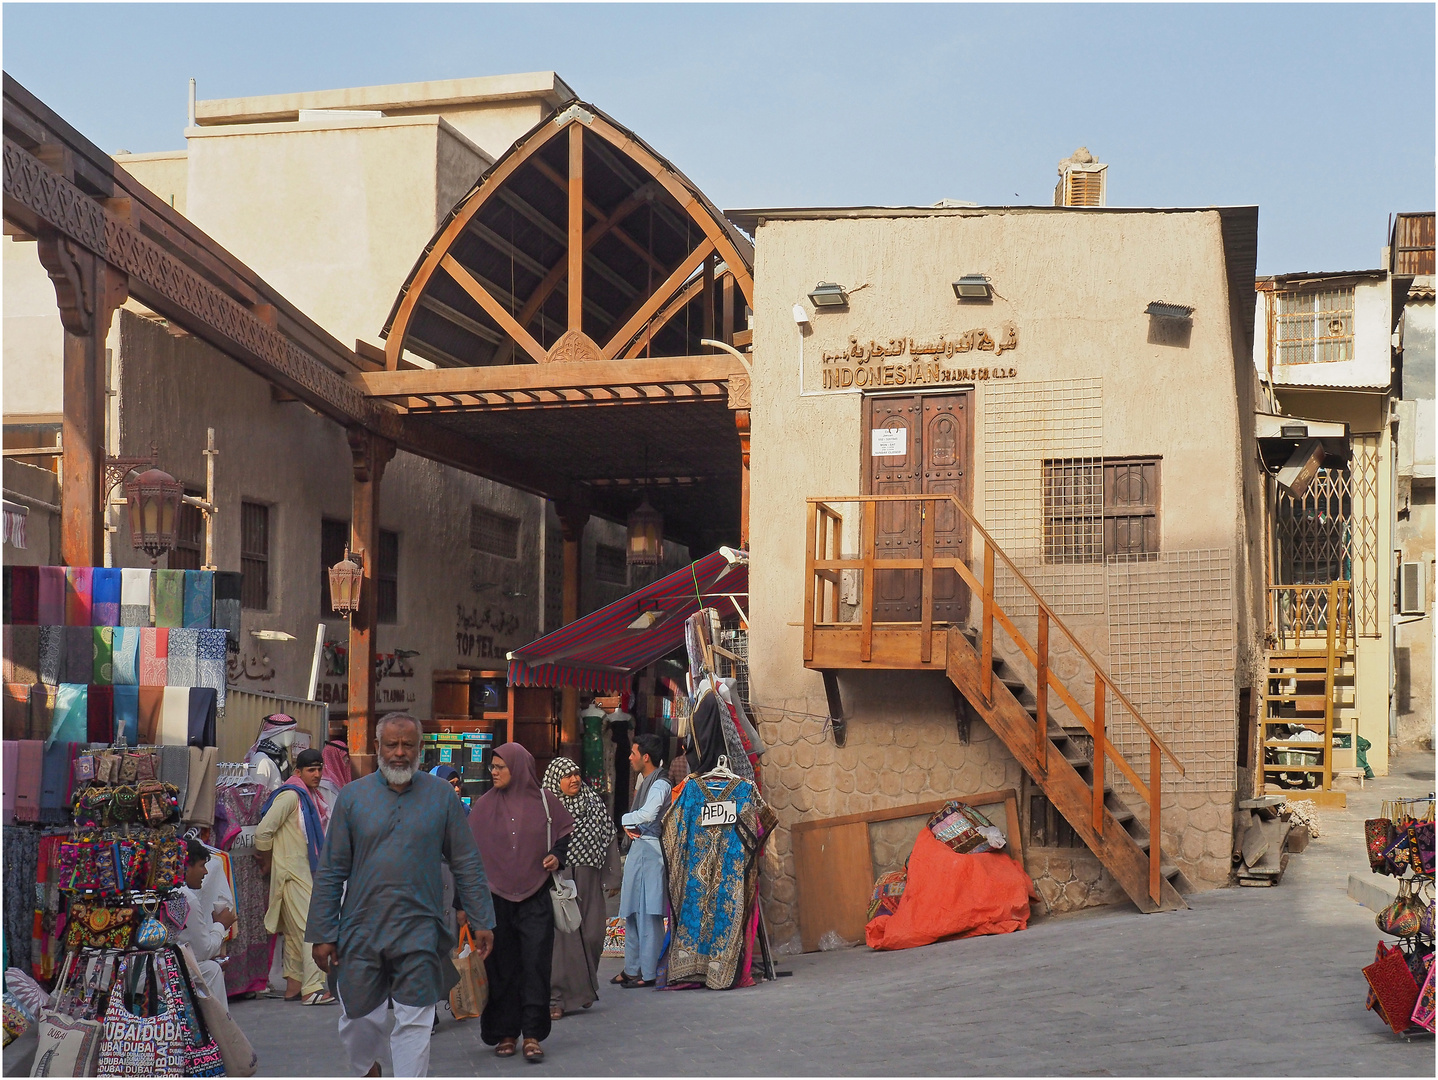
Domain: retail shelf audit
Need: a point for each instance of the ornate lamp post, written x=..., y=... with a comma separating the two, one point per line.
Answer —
x=153, y=497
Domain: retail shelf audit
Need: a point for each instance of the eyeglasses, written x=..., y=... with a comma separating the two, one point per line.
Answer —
x=498, y=766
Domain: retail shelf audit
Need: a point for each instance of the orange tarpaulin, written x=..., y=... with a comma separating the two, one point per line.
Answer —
x=953, y=895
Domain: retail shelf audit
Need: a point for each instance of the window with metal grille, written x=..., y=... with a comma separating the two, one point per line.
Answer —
x=1073, y=510
x=1095, y=508
x=387, y=578
x=610, y=564
x=188, y=552
x=1314, y=326
x=492, y=533
x=255, y=556
x=334, y=541
x=1315, y=532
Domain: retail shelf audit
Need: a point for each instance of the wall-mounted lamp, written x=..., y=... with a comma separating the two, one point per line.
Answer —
x=1293, y=431
x=828, y=295
x=154, y=503
x=271, y=635
x=801, y=317
x=1165, y=310
x=973, y=287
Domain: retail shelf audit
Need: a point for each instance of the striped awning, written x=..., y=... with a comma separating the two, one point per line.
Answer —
x=602, y=650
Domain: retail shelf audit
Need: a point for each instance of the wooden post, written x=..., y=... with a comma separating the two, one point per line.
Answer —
x=868, y=527
x=1328, y=682
x=572, y=524
x=810, y=543
x=575, y=285
x=726, y=315
x=1155, y=829
x=87, y=291
x=1041, y=693
x=927, y=511
x=707, y=302
x=741, y=422
x=986, y=657
x=369, y=454
x=1100, y=700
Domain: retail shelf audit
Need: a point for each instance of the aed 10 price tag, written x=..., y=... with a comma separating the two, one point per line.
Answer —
x=719, y=813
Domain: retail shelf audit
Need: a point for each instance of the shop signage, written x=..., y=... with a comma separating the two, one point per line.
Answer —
x=719, y=813
x=908, y=362
x=889, y=442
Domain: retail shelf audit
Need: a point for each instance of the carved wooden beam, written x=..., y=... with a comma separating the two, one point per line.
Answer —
x=36, y=197
x=719, y=368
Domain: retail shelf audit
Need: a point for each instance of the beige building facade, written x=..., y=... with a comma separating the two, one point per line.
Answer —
x=1063, y=373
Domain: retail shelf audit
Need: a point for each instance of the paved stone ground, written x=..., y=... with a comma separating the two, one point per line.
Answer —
x=1248, y=981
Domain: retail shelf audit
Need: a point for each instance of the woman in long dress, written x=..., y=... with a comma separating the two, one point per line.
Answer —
x=593, y=862
x=523, y=835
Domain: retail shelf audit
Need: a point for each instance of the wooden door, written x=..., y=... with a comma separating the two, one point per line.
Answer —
x=934, y=435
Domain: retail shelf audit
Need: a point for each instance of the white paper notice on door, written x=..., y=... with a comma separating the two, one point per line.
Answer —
x=889, y=442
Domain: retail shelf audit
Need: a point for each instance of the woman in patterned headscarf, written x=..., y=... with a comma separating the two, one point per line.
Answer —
x=593, y=862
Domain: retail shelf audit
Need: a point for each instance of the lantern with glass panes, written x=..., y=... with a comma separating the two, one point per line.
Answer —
x=153, y=498
x=346, y=577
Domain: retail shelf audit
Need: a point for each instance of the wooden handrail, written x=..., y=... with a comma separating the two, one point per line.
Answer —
x=1309, y=613
x=983, y=587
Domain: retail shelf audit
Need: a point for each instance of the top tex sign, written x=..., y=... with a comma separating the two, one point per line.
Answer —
x=922, y=364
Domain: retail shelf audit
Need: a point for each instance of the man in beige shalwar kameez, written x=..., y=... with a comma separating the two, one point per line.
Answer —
x=288, y=841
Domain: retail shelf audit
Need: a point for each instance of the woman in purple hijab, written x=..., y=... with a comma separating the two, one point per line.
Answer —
x=523, y=836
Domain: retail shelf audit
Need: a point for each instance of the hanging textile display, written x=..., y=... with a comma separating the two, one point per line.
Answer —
x=105, y=585
x=23, y=594
x=713, y=877
x=77, y=596
x=1400, y=845
x=199, y=598
x=251, y=949
x=135, y=597
x=169, y=598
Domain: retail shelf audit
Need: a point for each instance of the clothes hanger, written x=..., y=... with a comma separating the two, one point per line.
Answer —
x=721, y=768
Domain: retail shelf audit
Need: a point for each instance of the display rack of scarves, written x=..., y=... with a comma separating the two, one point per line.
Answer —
x=20, y=857
x=237, y=806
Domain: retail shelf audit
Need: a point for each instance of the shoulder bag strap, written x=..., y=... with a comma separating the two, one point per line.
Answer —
x=548, y=823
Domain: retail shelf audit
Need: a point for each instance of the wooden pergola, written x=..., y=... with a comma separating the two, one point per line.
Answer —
x=564, y=302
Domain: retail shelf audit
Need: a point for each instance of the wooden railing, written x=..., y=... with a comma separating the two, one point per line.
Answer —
x=824, y=563
x=1315, y=617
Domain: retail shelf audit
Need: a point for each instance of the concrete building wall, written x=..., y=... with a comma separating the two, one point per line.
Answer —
x=1074, y=286
x=1414, y=527
x=34, y=340
x=165, y=172
x=457, y=607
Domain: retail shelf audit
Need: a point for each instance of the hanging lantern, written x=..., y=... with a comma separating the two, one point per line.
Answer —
x=153, y=497
x=646, y=536
x=346, y=576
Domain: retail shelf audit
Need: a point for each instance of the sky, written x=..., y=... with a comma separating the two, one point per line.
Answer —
x=1321, y=114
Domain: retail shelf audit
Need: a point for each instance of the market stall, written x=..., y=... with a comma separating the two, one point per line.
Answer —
x=115, y=694
x=1400, y=979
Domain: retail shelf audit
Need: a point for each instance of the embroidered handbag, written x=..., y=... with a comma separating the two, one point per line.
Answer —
x=136, y=1044
x=1377, y=836
x=1423, y=1010
x=75, y=861
x=239, y=1056
x=17, y=1020
x=1423, y=835
x=1394, y=988
x=84, y=770
x=166, y=857
x=107, y=870
x=107, y=767
x=152, y=933
x=1404, y=915
x=97, y=926
x=144, y=766
x=125, y=805
x=563, y=896
x=130, y=858
x=887, y=890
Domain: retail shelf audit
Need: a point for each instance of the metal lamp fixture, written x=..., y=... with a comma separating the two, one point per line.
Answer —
x=645, y=546
x=346, y=577
x=973, y=287
x=153, y=497
x=1164, y=310
x=826, y=294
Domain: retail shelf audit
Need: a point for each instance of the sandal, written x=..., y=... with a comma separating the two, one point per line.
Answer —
x=622, y=978
x=532, y=1050
x=321, y=997
x=505, y=1048
x=556, y=1012
x=635, y=984
x=279, y=995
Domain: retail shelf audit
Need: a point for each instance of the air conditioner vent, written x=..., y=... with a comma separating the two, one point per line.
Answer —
x=1412, y=595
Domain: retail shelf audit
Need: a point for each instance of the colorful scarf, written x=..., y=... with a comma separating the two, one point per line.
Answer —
x=593, y=827
x=311, y=824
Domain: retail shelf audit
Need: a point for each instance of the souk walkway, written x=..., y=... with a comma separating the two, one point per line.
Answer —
x=1248, y=981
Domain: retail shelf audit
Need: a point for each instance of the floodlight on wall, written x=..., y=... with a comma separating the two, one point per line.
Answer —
x=346, y=577
x=1165, y=310
x=826, y=294
x=973, y=287
x=153, y=497
x=1293, y=431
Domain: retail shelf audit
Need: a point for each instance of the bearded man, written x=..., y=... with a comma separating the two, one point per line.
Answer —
x=377, y=918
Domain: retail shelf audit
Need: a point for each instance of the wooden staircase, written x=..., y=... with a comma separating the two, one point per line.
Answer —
x=1309, y=668
x=1078, y=783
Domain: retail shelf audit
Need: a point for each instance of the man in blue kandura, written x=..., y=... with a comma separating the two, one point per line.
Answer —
x=377, y=918
x=642, y=894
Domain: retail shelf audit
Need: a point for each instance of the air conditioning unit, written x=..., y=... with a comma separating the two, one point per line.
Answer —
x=1412, y=593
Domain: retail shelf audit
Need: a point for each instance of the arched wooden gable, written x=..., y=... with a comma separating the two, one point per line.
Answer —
x=580, y=243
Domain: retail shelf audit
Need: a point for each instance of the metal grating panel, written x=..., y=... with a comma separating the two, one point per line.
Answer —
x=1315, y=326
x=1025, y=426
x=1172, y=649
x=1365, y=534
